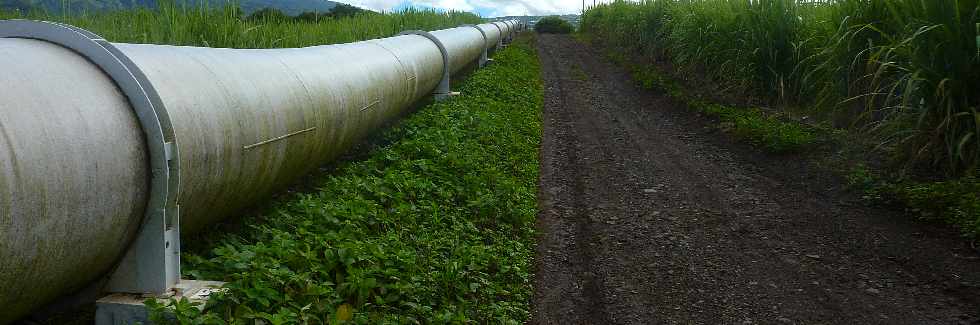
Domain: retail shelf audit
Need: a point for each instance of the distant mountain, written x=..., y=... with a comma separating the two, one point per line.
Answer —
x=289, y=7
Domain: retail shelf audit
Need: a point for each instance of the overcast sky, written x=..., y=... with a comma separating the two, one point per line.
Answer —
x=485, y=8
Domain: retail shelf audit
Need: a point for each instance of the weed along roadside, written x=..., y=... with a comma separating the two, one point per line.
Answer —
x=884, y=90
x=770, y=132
x=433, y=223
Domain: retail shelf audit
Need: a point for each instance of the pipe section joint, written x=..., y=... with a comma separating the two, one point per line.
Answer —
x=483, y=56
x=442, y=91
x=500, y=40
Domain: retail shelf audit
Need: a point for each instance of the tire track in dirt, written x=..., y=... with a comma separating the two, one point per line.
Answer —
x=647, y=216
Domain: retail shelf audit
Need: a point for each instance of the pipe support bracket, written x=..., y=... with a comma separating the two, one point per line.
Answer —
x=151, y=264
x=483, y=56
x=442, y=91
x=500, y=40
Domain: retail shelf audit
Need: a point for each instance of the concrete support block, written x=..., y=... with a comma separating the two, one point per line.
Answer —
x=128, y=308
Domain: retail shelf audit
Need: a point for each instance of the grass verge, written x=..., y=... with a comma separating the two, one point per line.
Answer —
x=434, y=225
x=953, y=201
x=902, y=74
x=752, y=125
x=904, y=71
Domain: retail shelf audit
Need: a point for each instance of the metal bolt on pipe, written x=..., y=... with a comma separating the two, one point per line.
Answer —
x=109, y=151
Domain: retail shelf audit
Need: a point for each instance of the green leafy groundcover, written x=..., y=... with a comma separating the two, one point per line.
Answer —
x=436, y=226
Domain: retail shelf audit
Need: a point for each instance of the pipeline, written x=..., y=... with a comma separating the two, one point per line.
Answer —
x=100, y=141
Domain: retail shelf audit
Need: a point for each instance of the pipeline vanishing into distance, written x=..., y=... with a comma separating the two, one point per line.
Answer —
x=96, y=136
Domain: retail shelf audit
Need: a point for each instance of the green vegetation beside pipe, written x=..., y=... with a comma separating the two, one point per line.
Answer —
x=433, y=222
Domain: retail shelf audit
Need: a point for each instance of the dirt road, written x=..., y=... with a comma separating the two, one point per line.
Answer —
x=648, y=217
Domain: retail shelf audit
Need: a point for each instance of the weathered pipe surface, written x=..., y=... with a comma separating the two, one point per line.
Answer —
x=74, y=170
x=251, y=121
x=492, y=32
x=462, y=43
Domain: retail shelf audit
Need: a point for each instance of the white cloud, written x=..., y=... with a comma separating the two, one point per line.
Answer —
x=489, y=8
x=377, y=5
x=460, y=5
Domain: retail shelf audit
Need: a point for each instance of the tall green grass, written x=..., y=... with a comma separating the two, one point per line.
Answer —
x=905, y=71
x=175, y=24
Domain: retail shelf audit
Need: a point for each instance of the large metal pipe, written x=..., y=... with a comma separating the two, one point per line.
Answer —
x=94, y=136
